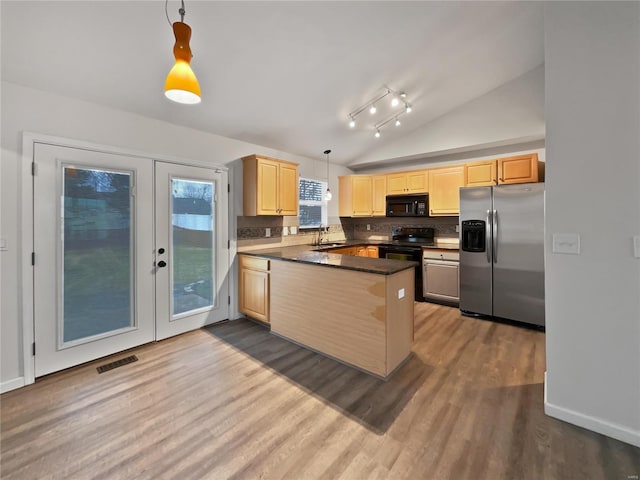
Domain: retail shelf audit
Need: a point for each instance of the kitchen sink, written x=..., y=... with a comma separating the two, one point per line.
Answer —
x=328, y=245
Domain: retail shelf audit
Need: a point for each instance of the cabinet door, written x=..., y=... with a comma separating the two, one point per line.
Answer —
x=288, y=189
x=418, y=182
x=372, y=251
x=361, y=251
x=480, y=174
x=444, y=194
x=379, y=187
x=441, y=280
x=396, y=183
x=361, y=195
x=254, y=293
x=267, y=187
x=520, y=169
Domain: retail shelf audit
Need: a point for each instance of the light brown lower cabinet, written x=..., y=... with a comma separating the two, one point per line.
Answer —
x=253, y=287
x=353, y=251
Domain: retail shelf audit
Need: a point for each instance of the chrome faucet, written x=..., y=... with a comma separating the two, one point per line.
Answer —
x=320, y=236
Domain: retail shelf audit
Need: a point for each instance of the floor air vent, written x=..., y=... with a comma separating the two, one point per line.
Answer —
x=118, y=363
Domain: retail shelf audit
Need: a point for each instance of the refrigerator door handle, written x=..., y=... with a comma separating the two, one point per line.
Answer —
x=488, y=236
x=495, y=236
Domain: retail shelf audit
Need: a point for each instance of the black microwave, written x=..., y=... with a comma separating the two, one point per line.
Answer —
x=407, y=205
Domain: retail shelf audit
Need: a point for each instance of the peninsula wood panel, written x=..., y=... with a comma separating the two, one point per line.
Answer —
x=399, y=331
x=315, y=306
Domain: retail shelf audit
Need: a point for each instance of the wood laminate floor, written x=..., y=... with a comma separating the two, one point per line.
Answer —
x=235, y=402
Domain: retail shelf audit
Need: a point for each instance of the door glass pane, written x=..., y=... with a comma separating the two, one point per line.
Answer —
x=192, y=212
x=97, y=252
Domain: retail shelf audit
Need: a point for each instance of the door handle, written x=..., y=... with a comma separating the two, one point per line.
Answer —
x=487, y=235
x=495, y=236
x=162, y=264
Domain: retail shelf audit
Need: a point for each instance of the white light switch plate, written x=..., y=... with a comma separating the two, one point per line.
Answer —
x=293, y=230
x=636, y=246
x=285, y=231
x=368, y=227
x=267, y=232
x=568, y=243
x=401, y=293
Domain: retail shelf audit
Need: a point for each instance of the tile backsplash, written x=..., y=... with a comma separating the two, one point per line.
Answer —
x=379, y=228
x=251, y=232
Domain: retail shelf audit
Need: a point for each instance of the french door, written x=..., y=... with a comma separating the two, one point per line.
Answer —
x=99, y=284
x=191, y=256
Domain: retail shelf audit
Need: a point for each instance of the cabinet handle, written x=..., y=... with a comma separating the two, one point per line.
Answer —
x=502, y=179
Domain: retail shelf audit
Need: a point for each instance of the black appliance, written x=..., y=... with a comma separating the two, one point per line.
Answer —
x=407, y=205
x=406, y=244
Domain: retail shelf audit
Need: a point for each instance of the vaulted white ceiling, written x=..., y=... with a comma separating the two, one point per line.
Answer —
x=280, y=74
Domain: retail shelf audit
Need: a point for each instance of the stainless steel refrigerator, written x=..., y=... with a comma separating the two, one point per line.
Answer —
x=502, y=252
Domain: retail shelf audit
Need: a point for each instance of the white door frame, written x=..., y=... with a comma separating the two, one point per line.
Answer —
x=26, y=218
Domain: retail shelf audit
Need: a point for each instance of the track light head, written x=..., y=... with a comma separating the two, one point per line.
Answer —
x=352, y=123
x=377, y=134
x=373, y=109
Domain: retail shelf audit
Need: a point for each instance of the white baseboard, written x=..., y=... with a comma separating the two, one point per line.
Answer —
x=11, y=384
x=595, y=424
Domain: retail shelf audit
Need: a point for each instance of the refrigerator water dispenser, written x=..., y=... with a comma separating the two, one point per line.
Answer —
x=474, y=235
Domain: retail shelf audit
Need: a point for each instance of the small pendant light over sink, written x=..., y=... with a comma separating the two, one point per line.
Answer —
x=327, y=195
x=182, y=85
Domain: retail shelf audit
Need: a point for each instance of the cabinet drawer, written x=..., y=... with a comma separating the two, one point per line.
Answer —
x=435, y=254
x=256, y=263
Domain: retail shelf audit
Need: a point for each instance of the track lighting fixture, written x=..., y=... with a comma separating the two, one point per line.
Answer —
x=182, y=85
x=397, y=99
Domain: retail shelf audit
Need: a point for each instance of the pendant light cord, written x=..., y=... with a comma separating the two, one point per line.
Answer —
x=181, y=11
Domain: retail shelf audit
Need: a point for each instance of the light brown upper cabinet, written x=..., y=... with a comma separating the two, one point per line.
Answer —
x=479, y=174
x=416, y=181
x=270, y=186
x=444, y=186
x=519, y=169
x=361, y=195
x=379, y=189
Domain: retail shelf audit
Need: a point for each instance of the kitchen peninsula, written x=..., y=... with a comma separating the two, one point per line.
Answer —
x=354, y=309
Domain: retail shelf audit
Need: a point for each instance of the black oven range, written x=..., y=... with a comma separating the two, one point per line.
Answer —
x=406, y=244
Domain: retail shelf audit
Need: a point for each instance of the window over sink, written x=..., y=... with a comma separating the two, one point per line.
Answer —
x=312, y=205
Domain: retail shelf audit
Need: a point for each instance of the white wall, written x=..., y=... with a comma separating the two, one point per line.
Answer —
x=26, y=109
x=592, y=109
x=512, y=113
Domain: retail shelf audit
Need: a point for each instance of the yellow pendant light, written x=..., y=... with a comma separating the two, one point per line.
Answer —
x=182, y=85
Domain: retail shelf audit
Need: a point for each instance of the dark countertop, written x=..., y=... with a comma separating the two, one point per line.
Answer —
x=356, y=243
x=307, y=254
